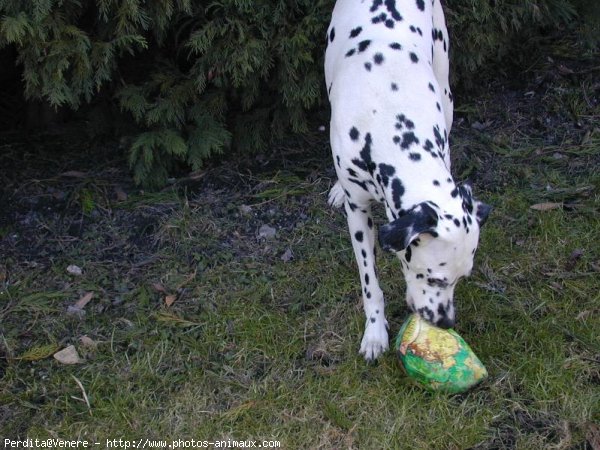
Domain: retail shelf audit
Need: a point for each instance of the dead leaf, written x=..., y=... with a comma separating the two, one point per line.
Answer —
x=121, y=194
x=74, y=174
x=170, y=299
x=39, y=352
x=564, y=70
x=547, y=206
x=86, y=341
x=68, y=355
x=85, y=396
x=84, y=300
x=174, y=320
x=159, y=288
x=77, y=308
x=587, y=313
x=187, y=279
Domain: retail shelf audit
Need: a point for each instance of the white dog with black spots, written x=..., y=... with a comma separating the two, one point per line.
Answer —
x=386, y=68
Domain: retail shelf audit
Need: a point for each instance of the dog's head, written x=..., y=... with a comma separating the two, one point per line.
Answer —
x=436, y=247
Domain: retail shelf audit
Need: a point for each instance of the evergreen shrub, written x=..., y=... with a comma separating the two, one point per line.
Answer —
x=199, y=78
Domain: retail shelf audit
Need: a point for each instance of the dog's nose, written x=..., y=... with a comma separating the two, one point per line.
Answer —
x=446, y=322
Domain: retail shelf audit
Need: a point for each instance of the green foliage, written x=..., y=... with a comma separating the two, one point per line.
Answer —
x=206, y=77
x=485, y=34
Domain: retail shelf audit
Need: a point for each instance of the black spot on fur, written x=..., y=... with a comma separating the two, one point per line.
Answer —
x=354, y=134
x=397, y=193
x=421, y=5
x=428, y=146
x=386, y=171
x=378, y=58
x=331, y=35
x=350, y=52
x=394, y=87
x=380, y=18
x=362, y=184
x=402, y=122
x=436, y=282
x=408, y=139
x=439, y=140
x=359, y=236
x=355, y=32
x=426, y=312
x=395, y=46
x=363, y=45
x=391, y=7
x=413, y=57
x=376, y=4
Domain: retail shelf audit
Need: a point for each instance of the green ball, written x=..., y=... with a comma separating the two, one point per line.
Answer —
x=437, y=359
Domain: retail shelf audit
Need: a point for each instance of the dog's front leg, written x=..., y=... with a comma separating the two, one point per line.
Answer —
x=362, y=232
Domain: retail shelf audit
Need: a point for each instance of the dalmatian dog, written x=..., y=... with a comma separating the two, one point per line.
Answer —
x=386, y=68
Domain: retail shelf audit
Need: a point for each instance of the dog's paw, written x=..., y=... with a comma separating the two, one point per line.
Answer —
x=336, y=196
x=375, y=340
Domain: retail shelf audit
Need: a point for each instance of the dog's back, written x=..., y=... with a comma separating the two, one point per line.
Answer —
x=410, y=36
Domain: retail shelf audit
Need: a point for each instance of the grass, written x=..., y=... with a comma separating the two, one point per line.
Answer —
x=259, y=347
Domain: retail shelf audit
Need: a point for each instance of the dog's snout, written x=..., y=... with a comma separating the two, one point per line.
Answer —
x=446, y=322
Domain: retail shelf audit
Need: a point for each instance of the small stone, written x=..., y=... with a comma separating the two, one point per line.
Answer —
x=74, y=270
x=75, y=311
x=266, y=232
x=68, y=355
x=288, y=255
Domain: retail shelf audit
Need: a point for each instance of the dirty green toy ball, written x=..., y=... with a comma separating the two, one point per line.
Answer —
x=437, y=359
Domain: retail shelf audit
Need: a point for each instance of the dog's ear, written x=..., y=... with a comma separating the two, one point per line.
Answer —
x=466, y=190
x=398, y=235
x=482, y=211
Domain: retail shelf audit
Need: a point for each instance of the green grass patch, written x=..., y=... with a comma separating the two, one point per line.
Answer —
x=200, y=327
